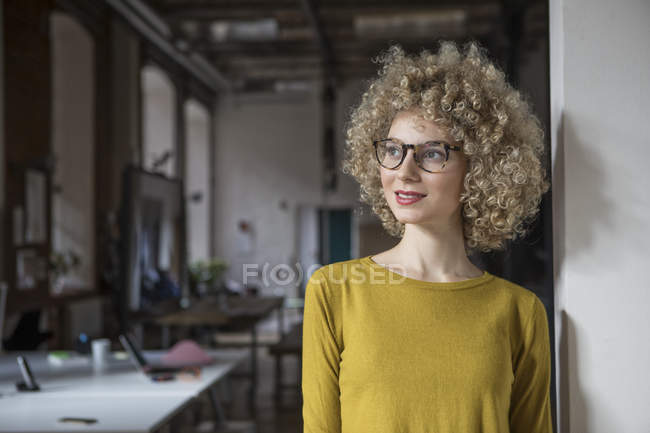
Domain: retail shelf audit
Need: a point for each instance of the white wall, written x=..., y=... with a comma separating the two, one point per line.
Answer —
x=158, y=118
x=347, y=97
x=268, y=149
x=600, y=88
x=197, y=178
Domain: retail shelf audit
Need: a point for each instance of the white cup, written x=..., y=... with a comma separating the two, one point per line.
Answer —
x=101, y=347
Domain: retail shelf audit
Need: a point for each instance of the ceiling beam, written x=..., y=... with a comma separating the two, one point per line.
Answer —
x=342, y=48
x=329, y=12
x=200, y=70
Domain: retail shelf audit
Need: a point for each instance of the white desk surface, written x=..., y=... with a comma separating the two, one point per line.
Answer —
x=29, y=414
x=121, y=398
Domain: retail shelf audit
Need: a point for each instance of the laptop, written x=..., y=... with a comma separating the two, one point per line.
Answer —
x=145, y=367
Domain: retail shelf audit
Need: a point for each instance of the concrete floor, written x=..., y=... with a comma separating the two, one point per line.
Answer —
x=269, y=417
x=285, y=419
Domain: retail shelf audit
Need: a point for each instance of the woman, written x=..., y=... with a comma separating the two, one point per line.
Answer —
x=417, y=338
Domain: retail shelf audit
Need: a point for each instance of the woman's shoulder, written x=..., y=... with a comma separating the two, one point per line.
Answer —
x=327, y=283
x=526, y=301
x=338, y=272
x=512, y=288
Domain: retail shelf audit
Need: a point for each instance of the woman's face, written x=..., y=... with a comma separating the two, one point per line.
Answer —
x=440, y=204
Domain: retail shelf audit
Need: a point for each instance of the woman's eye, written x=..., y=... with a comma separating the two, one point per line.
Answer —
x=393, y=150
x=433, y=154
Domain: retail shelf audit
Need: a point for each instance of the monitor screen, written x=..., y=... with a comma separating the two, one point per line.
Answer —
x=153, y=230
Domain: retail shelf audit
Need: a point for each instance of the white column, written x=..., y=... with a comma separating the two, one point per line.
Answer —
x=600, y=117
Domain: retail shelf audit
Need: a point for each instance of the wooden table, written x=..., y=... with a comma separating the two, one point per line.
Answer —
x=242, y=313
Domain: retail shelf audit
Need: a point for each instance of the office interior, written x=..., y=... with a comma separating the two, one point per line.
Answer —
x=170, y=168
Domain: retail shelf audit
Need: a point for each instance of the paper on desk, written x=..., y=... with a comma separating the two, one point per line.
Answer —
x=61, y=358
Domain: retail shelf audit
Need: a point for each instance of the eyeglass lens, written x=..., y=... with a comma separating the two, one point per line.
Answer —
x=430, y=156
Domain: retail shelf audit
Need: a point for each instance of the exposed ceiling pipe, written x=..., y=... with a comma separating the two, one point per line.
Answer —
x=325, y=47
x=150, y=16
x=195, y=65
x=329, y=181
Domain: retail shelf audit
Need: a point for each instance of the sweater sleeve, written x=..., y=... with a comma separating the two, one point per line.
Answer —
x=530, y=405
x=320, y=360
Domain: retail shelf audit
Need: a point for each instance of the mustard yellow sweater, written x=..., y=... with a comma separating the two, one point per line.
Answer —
x=384, y=353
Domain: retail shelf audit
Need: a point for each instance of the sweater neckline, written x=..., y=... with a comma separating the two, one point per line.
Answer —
x=395, y=278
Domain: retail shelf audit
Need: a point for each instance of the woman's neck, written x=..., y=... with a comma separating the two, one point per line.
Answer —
x=432, y=253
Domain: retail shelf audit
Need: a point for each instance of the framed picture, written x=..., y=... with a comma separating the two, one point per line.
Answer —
x=30, y=269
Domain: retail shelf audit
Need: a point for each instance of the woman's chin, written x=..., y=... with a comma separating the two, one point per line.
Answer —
x=406, y=217
x=416, y=217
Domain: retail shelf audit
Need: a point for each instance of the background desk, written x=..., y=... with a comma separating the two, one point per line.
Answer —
x=121, y=398
x=243, y=313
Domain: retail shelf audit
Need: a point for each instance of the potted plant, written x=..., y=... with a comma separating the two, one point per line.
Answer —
x=61, y=263
x=206, y=276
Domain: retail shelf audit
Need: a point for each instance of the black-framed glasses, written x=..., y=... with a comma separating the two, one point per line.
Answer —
x=431, y=156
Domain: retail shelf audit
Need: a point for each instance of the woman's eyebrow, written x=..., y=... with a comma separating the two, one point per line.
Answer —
x=424, y=142
x=436, y=141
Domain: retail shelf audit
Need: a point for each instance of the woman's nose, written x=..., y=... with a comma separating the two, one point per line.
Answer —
x=409, y=168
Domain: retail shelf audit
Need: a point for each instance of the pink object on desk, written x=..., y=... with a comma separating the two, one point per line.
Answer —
x=187, y=352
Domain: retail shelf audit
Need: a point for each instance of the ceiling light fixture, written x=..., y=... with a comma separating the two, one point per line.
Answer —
x=411, y=24
x=257, y=30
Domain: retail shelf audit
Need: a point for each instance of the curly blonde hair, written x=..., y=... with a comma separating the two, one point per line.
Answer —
x=465, y=93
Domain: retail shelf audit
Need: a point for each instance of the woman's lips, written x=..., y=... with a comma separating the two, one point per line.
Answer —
x=410, y=199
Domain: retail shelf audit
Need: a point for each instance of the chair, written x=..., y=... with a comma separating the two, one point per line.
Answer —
x=290, y=344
